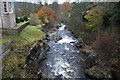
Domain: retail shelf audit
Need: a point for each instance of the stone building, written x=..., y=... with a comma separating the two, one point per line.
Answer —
x=7, y=15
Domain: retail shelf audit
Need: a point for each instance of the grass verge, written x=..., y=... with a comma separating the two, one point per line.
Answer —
x=14, y=64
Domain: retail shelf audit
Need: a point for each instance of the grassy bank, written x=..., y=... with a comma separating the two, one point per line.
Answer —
x=14, y=64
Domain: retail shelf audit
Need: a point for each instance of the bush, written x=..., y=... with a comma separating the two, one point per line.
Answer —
x=104, y=44
x=108, y=52
x=25, y=18
x=17, y=20
x=34, y=19
x=21, y=20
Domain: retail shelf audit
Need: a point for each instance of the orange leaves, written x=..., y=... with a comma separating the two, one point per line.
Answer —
x=46, y=12
x=40, y=14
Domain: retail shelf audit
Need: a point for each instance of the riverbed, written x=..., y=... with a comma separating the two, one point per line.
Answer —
x=63, y=60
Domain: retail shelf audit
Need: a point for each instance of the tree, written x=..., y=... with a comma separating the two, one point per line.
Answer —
x=25, y=9
x=46, y=13
x=95, y=18
x=115, y=14
x=65, y=8
x=21, y=20
x=34, y=20
x=40, y=14
x=17, y=20
x=75, y=22
x=54, y=6
x=64, y=11
x=25, y=18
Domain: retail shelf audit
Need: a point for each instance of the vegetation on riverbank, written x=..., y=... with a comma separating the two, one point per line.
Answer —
x=14, y=64
x=98, y=26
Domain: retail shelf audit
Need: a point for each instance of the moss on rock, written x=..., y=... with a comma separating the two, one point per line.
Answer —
x=98, y=72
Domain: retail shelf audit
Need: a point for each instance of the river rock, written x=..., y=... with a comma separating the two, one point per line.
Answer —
x=79, y=45
x=55, y=38
x=38, y=52
x=87, y=51
x=98, y=72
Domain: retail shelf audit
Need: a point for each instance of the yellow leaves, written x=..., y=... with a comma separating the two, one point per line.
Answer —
x=114, y=60
x=95, y=18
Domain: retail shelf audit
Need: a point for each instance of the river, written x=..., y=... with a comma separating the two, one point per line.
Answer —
x=63, y=60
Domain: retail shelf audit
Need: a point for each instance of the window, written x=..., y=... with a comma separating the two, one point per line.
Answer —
x=10, y=6
x=5, y=6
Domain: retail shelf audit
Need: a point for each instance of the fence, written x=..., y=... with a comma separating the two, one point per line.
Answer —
x=23, y=26
x=14, y=31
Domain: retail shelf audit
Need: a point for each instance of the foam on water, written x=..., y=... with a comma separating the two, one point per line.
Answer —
x=62, y=27
x=66, y=39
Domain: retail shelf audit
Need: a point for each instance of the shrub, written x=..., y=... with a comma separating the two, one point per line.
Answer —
x=34, y=20
x=17, y=20
x=21, y=20
x=104, y=44
x=107, y=47
x=25, y=18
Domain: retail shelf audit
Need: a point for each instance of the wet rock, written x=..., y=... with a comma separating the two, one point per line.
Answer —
x=55, y=38
x=98, y=72
x=88, y=63
x=38, y=52
x=59, y=76
x=87, y=51
x=41, y=75
x=78, y=45
x=80, y=40
x=72, y=42
x=92, y=56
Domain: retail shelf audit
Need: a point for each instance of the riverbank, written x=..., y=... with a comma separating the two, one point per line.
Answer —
x=14, y=63
x=90, y=66
x=100, y=55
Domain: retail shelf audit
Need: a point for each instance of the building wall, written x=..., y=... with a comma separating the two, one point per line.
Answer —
x=0, y=16
x=7, y=18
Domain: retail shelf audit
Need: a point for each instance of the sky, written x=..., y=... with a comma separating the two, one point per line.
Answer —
x=61, y=1
x=49, y=1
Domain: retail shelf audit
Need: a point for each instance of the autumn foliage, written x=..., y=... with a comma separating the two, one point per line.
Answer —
x=65, y=7
x=46, y=13
x=40, y=14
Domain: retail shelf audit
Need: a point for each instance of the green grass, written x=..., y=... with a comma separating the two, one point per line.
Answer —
x=27, y=36
x=21, y=23
x=6, y=40
x=10, y=32
x=14, y=62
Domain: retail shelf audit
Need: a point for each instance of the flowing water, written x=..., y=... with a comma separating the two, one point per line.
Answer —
x=63, y=59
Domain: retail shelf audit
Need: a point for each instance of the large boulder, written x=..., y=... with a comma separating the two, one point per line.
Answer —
x=98, y=72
